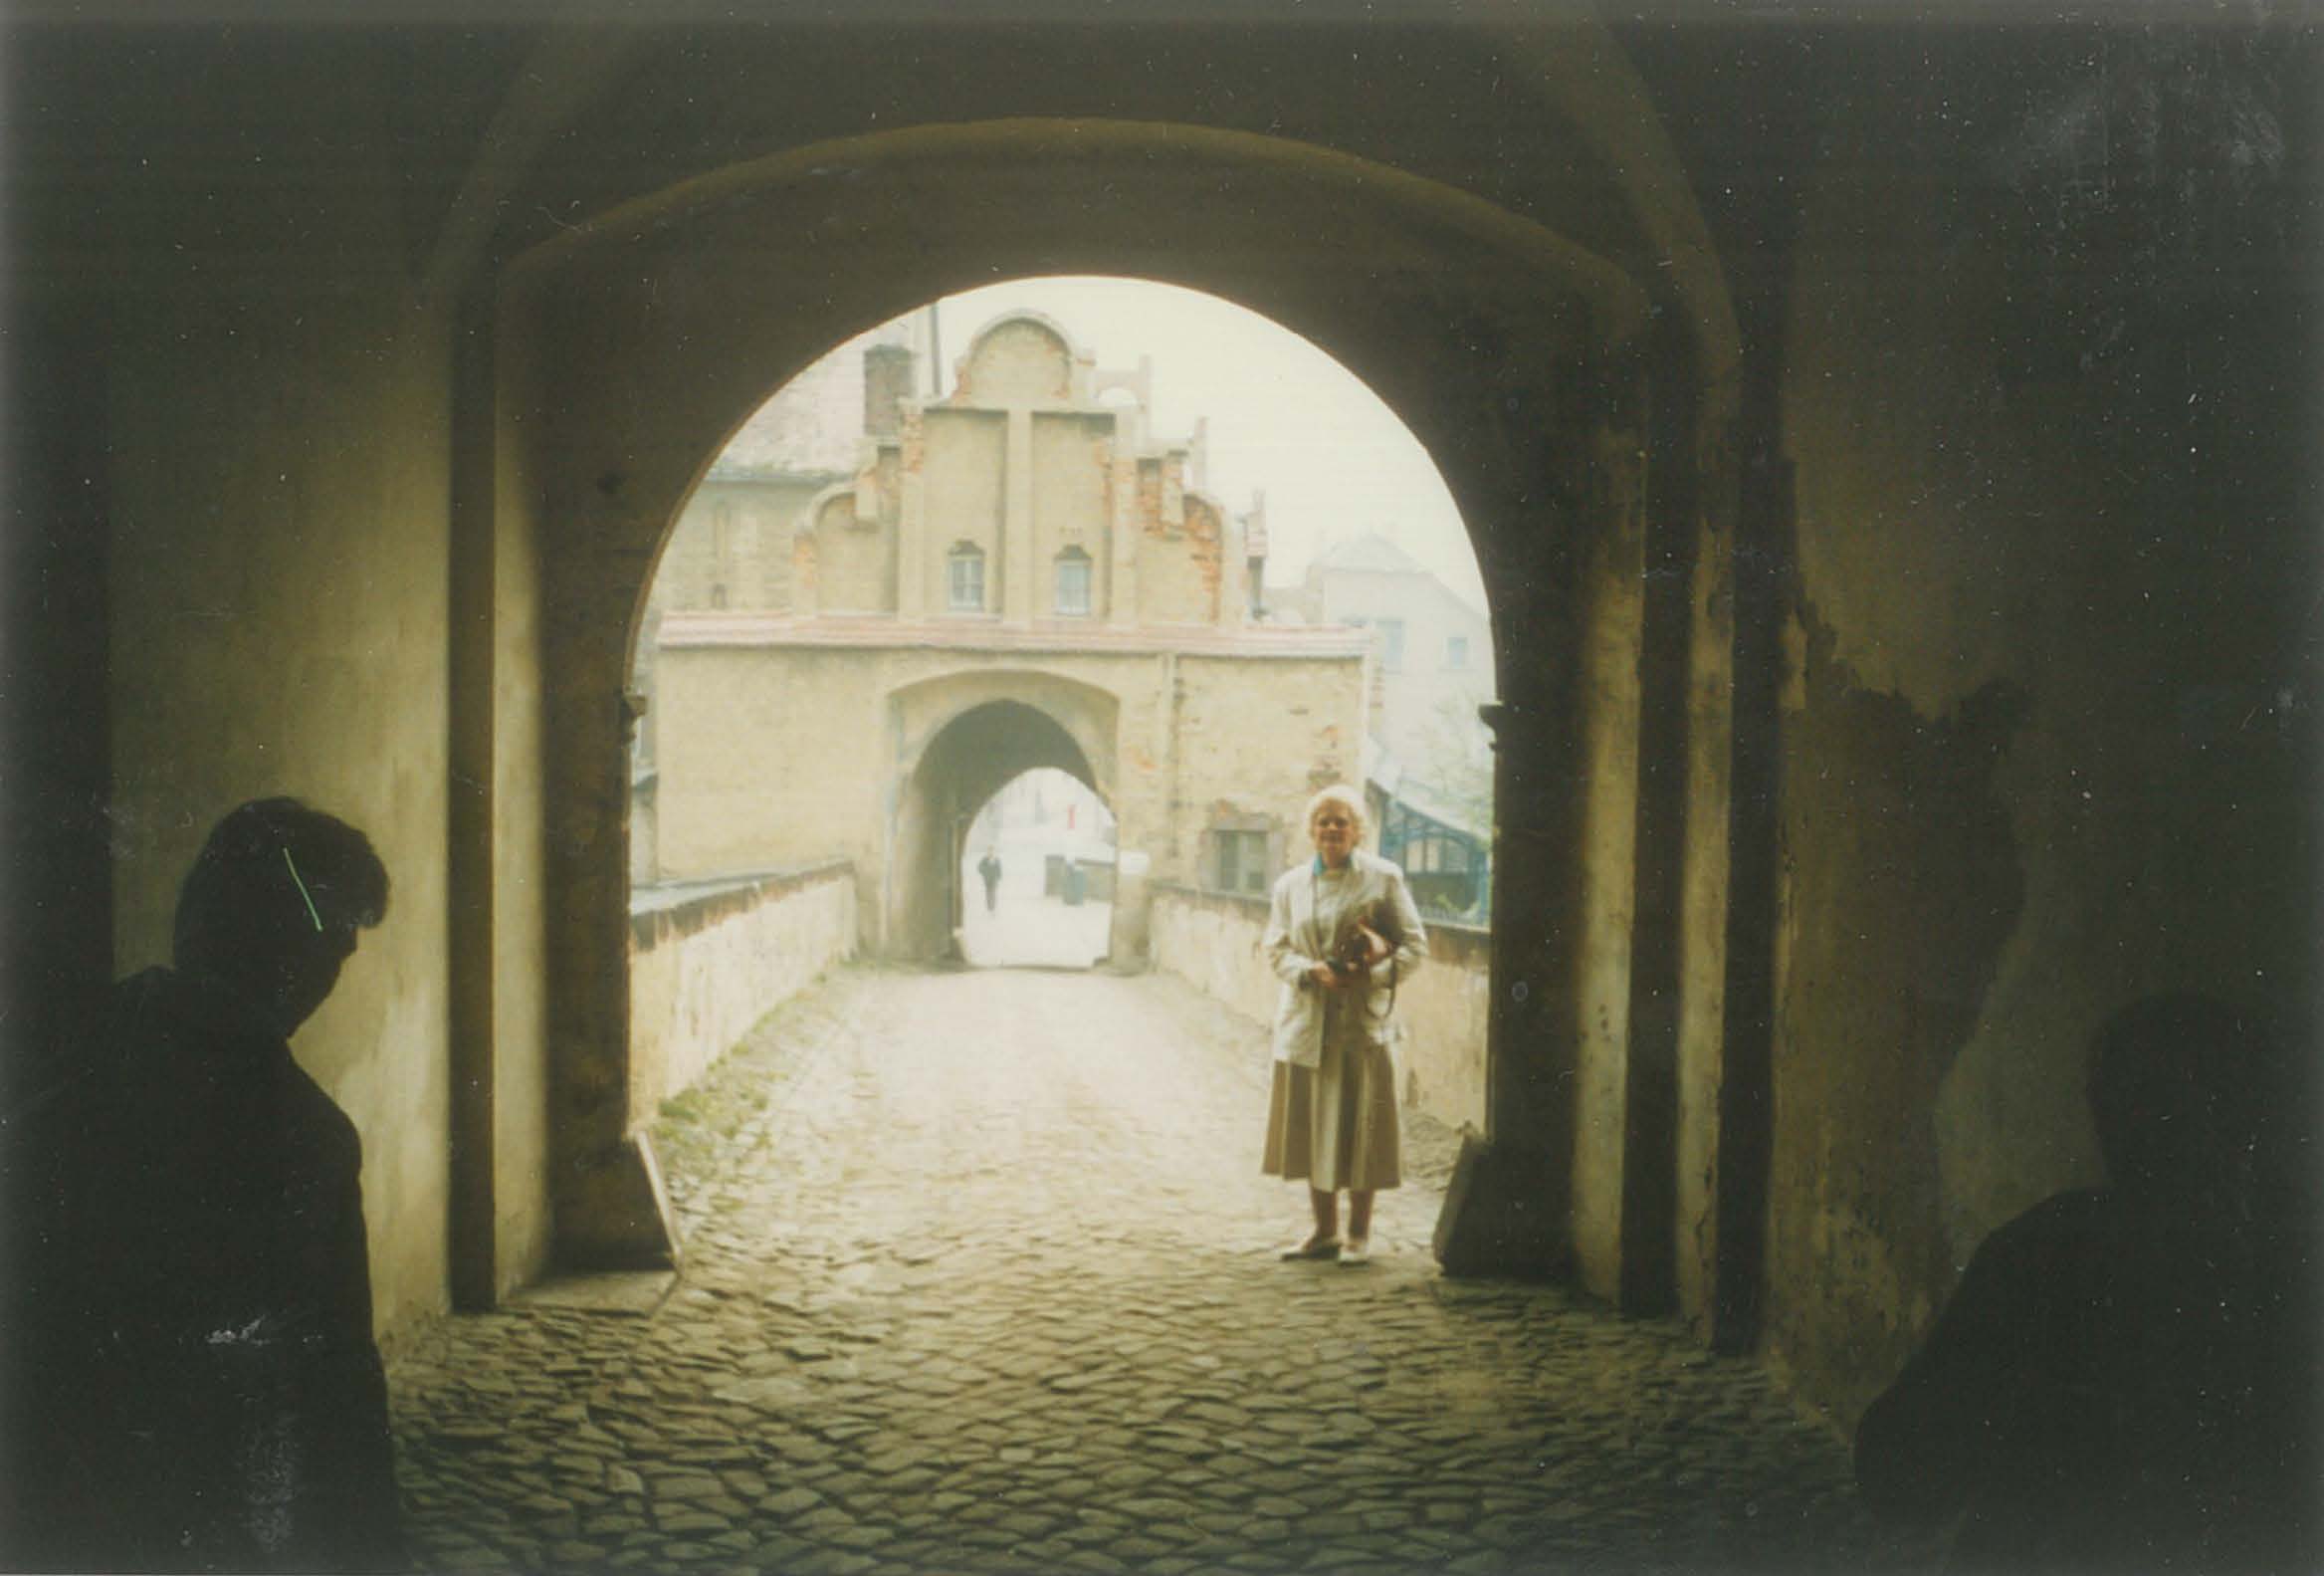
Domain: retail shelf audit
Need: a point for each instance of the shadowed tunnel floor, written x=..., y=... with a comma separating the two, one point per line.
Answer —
x=981, y=1276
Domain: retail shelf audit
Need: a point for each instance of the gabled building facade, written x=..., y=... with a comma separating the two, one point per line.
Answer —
x=1013, y=575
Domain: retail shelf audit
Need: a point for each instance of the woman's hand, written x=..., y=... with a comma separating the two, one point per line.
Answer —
x=1376, y=946
x=1323, y=974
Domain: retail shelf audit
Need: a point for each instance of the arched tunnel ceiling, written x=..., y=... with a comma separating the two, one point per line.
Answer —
x=512, y=132
x=987, y=746
x=1480, y=108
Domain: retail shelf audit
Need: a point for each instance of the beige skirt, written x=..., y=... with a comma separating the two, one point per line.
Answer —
x=1334, y=1124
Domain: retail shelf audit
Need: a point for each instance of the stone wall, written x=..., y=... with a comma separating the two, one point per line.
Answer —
x=1212, y=940
x=707, y=961
x=268, y=467
x=2038, y=759
x=754, y=736
x=683, y=307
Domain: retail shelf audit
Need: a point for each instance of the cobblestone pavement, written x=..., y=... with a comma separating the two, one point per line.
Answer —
x=980, y=1278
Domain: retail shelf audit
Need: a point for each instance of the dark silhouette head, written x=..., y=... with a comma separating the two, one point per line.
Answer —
x=2184, y=1090
x=272, y=906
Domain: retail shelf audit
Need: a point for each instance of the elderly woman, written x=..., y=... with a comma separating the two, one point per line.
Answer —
x=1341, y=932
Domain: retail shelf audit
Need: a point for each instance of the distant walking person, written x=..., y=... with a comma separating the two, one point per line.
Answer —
x=990, y=868
x=1342, y=930
x=2126, y=1378
x=197, y=1387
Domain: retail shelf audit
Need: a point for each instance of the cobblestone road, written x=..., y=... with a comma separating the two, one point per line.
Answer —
x=980, y=1278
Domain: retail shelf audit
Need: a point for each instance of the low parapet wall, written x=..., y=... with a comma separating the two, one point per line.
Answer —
x=709, y=958
x=1211, y=939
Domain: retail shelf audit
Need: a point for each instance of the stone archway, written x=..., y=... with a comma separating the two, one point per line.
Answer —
x=958, y=737
x=961, y=766
x=1583, y=437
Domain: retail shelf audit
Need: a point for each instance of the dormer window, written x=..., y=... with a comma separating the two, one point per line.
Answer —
x=965, y=578
x=1073, y=583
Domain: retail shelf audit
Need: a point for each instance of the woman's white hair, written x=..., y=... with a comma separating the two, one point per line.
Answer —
x=1349, y=799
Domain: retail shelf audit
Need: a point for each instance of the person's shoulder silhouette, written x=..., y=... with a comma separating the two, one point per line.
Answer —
x=198, y=1385
x=2125, y=1376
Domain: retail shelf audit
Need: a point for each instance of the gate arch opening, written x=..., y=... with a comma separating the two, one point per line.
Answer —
x=1121, y=611
x=1542, y=376
x=1109, y=571
x=1036, y=875
x=967, y=763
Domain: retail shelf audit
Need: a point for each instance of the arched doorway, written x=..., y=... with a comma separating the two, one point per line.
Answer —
x=1532, y=368
x=1037, y=875
x=959, y=769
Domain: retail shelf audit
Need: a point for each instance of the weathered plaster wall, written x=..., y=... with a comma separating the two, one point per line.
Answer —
x=1445, y=1007
x=1258, y=737
x=513, y=965
x=1702, y=1048
x=855, y=558
x=704, y=969
x=1072, y=462
x=280, y=483
x=1178, y=560
x=747, y=563
x=2036, y=752
x=754, y=737
x=968, y=450
x=1211, y=939
x=1609, y=698
x=1017, y=361
x=750, y=751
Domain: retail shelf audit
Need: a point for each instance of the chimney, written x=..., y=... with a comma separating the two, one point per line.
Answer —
x=886, y=384
x=1255, y=553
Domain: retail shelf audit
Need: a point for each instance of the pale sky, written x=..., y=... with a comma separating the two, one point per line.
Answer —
x=1333, y=460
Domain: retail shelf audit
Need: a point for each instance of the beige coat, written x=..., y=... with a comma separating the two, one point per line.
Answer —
x=1299, y=937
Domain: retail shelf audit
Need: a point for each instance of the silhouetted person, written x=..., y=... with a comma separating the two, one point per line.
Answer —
x=200, y=1389
x=990, y=868
x=2125, y=1379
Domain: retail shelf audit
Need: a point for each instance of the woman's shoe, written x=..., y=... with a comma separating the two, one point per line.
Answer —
x=1314, y=1248
x=1355, y=1251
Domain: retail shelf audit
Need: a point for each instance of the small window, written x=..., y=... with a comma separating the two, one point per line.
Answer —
x=1456, y=652
x=1430, y=855
x=1073, y=583
x=1238, y=861
x=965, y=578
